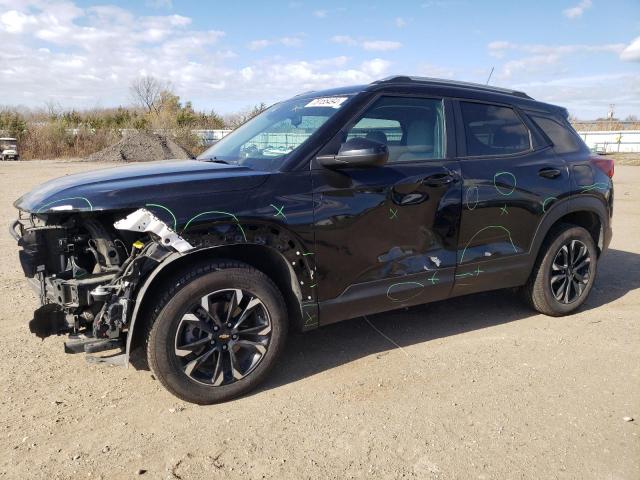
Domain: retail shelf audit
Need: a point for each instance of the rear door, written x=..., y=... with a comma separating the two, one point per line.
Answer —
x=511, y=178
x=386, y=236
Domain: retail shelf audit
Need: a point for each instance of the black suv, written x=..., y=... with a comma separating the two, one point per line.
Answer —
x=327, y=206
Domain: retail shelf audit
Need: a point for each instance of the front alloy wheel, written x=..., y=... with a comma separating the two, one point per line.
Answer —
x=223, y=337
x=218, y=330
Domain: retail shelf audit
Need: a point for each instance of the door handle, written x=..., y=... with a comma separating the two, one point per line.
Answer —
x=549, y=172
x=438, y=179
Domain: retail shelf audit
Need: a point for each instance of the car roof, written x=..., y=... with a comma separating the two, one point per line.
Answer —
x=439, y=86
x=428, y=81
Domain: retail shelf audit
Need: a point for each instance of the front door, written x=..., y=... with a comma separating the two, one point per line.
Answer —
x=386, y=237
x=511, y=178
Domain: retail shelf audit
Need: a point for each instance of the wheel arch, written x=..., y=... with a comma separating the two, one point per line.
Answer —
x=264, y=258
x=584, y=211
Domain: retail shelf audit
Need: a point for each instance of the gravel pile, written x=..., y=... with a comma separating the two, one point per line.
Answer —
x=140, y=147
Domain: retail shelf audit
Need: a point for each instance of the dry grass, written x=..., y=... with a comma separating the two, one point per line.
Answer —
x=53, y=140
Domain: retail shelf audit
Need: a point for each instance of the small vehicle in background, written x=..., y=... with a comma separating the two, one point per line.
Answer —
x=9, y=149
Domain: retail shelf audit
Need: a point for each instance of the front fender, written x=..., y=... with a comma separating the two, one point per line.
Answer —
x=300, y=265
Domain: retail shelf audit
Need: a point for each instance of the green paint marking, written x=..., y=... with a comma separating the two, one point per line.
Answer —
x=475, y=190
x=175, y=222
x=218, y=212
x=393, y=299
x=312, y=286
x=482, y=230
x=475, y=273
x=504, y=192
x=595, y=186
x=462, y=275
x=434, y=278
x=310, y=320
x=279, y=211
x=308, y=253
x=63, y=200
x=547, y=200
x=504, y=210
x=393, y=213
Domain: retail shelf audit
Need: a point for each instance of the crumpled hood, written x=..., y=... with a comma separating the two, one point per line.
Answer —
x=133, y=186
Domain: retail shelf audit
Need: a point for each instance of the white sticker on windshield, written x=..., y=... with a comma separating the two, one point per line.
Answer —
x=333, y=102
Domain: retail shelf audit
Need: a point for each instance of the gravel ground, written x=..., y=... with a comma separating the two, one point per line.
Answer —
x=481, y=387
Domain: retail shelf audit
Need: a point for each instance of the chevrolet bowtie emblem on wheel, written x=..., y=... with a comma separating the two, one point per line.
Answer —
x=224, y=336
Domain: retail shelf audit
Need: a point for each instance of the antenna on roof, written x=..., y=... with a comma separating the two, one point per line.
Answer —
x=491, y=73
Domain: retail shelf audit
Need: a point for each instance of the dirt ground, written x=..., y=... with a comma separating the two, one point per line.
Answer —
x=481, y=388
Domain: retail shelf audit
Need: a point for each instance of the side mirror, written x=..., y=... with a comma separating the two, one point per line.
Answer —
x=357, y=152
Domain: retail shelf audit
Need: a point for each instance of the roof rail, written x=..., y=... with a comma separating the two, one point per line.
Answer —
x=449, y=83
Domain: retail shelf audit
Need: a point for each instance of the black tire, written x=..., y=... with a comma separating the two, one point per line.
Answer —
x=547, y=280
x=174, y=324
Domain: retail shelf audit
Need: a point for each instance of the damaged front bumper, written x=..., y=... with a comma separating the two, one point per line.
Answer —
x=93, y=306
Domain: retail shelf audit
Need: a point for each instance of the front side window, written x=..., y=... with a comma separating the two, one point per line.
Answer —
x=493, y=130
x=412, y=128
x=265, y=141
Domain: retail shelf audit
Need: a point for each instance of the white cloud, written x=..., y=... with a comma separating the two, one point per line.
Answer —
x=381, y=45
x=589, y=96
x=259, y=44
x=631, y=52
x=159, y=3
x=376, y=67
x=500, y=48
x=577, y=10
x=82, y=57
x=15, y=22
x=264, y=43
x=400, y=22
x=344, y=39
x=370, y=45
x=324, y=13
x=534, y=58
x=435, y=71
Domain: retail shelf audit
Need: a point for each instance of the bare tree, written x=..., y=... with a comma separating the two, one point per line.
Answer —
x=53, y=108
x=234, y=120
x=146, y=92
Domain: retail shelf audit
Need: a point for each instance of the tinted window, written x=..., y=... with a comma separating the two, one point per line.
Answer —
x=563, y=138
x=493, y=130
x=412, y=128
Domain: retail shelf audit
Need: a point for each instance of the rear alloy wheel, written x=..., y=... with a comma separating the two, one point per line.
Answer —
x=570, y=272
x=564, y=273
x=218, y=334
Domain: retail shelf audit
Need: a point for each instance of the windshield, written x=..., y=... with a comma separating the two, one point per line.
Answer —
x=265, y=141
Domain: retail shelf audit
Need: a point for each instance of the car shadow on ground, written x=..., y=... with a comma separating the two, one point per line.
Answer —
x=334, y=345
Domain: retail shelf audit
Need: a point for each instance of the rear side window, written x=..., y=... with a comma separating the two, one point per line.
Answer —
x=563, y=138
x=493, y=130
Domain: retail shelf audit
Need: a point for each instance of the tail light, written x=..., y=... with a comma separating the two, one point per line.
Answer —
x=604, y=164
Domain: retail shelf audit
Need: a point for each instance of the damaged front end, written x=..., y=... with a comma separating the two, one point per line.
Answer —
x=86, y=267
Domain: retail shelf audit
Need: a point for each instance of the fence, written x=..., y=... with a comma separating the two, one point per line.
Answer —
x=612, y=142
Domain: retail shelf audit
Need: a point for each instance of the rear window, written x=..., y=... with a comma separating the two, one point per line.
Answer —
x=493, y=130
x=562, y=136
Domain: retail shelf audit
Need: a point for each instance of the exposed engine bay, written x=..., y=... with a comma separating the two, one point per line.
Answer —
x=85, y=270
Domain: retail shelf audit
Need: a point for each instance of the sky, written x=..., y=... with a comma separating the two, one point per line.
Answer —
x=582, y=54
